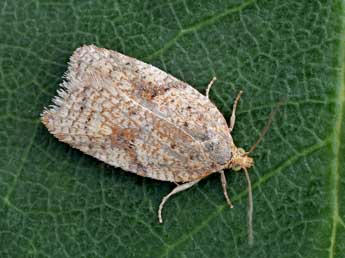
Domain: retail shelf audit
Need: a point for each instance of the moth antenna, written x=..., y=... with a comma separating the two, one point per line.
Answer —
x=250, y=208
x=268, y=124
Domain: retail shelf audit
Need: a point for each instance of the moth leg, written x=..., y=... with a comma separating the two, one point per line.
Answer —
x=177, y=189
x=223, y=179
x=209, y=86
x=233, y=114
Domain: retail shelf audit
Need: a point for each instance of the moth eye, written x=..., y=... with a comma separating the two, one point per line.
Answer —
x=241, y=151
x=236, y=168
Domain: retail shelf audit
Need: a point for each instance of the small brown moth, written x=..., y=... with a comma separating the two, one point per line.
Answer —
x=132, y=115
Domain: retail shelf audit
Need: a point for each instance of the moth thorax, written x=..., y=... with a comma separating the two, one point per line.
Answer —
x=218, y=150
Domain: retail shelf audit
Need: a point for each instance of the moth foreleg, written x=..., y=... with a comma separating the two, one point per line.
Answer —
x=209, y=86
x=177, y=189
x=225, y=192
x=233, y=113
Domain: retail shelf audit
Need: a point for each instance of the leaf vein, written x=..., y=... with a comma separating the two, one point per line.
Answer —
x=275, y=171
x=17, y=174
x=196, y=26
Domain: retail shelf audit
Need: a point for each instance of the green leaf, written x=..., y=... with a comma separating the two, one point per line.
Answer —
x=57, y=202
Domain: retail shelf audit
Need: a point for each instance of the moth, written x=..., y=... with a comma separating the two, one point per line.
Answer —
x=132, y=115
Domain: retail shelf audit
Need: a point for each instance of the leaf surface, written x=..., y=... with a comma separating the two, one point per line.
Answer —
x=57, y=202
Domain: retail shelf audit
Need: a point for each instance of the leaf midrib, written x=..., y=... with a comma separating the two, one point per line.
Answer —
x=336, y=143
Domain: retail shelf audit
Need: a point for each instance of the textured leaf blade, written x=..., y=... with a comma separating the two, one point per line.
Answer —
x=57, y=202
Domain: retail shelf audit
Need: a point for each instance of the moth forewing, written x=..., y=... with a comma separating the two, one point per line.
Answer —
x=132, y=115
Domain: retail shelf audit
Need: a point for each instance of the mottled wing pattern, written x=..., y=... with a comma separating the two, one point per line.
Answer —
x=132, y=115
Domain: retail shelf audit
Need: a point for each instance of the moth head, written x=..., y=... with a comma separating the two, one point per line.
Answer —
x=240, y=159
